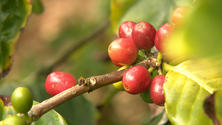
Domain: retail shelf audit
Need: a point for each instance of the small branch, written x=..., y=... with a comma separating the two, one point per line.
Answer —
x=93, y=83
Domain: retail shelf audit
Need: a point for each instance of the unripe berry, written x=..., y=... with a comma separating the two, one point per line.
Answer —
x=22, y=99
x=143, y=35
x=156, y=90
x=14, y=120
x=57, y=82
x=136, y=80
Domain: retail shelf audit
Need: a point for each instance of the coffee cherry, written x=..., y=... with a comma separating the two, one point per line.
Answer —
x=126, y=28
x=156, y=90
x=14, y=120
x=178, y=15
x=119, y=85
x=143, y=35
x=22, y=99
x=123, y=51
x=136, y=80
x=57, y=82
x=162, y=35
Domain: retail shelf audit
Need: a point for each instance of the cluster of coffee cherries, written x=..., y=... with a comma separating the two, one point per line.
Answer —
x=135, y=38
x=22, y=101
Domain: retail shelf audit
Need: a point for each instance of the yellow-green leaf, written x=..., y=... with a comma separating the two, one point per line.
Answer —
x=186, y=88
x=13, y=17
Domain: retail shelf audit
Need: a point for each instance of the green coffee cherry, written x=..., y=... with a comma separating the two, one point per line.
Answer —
x=22, y=99
x=14, y=120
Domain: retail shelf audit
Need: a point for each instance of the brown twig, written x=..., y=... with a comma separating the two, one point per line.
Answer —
x=85, y=85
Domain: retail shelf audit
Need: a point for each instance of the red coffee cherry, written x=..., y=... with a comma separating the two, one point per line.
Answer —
x=123, y=51
x=143, y=35
x=136, y=80
x=162, y=34
x=57, y=82
x=156, y=90
x=126, y=28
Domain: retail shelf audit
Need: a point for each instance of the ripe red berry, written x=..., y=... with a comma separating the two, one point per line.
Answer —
x=156, y=90
x=143, y=35
x=57, y=82
x=162, y=34
x=178, y=15
x=136, y=80
x=126, y=28
x=123, y=51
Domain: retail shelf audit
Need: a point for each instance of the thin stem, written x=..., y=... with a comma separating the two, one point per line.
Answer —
x=150, y=69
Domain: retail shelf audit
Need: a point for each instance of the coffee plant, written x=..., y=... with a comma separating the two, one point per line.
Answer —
x=167, y=53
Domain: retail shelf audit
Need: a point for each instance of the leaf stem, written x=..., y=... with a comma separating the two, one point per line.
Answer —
x=166, y=66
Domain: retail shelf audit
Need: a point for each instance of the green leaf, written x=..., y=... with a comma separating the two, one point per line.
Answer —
x=146, y=96
x=14, y=14
x=185, y=90
x=37, y=7
x=156, y=12
x=201, y=31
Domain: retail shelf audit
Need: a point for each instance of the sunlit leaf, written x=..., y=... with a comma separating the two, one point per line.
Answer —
x=156, y=12
x=13, y=17
x=185, y=90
